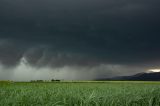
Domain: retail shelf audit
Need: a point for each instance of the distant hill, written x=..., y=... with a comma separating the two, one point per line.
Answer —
x=153, y=76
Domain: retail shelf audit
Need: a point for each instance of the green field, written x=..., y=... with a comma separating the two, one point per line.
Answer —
x=80, y=94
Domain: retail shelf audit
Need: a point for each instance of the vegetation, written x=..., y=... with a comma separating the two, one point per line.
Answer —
x=40, y=81
x=55, y=80
x=6, y=82
x=80, y=94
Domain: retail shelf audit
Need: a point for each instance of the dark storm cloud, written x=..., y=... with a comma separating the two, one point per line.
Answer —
x=85, y=32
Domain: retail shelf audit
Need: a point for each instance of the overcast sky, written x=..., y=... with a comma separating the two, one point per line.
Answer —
x=78, y=39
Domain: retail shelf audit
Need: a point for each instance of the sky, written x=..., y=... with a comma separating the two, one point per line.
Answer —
x=78, y=39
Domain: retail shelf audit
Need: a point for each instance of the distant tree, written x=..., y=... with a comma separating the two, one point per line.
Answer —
x=36, y=81
x=32, y=81
x=52, y=80
x=39, y=81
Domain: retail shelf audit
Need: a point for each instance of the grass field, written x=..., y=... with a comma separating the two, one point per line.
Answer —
x=80, y=94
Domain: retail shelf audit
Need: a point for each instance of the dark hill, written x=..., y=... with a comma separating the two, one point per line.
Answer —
x=154, y=76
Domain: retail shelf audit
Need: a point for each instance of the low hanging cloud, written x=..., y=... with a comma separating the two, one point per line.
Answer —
x=25, y=72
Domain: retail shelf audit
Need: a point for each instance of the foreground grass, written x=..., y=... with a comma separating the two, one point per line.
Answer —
x=80, y=94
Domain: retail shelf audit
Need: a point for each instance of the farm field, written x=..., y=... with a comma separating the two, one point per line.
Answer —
x=109, y=93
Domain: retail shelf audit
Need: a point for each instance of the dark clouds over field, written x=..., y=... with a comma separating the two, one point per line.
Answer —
x=88, y=38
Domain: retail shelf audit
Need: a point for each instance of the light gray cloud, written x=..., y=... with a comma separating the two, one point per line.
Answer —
x=25, y=72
